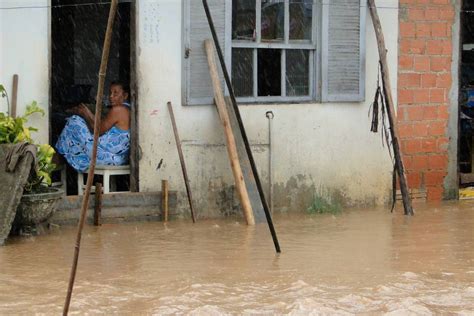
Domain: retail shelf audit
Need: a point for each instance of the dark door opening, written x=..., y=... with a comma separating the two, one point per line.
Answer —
x=77, y=36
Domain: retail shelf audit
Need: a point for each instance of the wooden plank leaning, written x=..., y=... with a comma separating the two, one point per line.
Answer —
x=390, y=108
x=231, y=146
x=181, y=160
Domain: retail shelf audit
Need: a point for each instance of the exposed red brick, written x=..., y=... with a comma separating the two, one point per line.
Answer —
x=421, y=129
x=431, y=14
x=412, y=146
x=405, y=62
x=430, y=112
x=443, y=80
x=409, y=80
x=438, y=162
x=422, y=63
x=405, y=130
x=437, y=128
x=434, y=177
x=420, y=162
x=417, y=46
x=443, y=112
x=438, y=95
x=428, y=145
x=439, y=64
x=442, y=144
x=407, y=29
x=415, y=113
x=423, y=29
x=447, y=48
x=413, y=179
x=434, y=193
x=416, y=14
x=404, y=46
x=421, y=96
x=405, y=96
x=447, y=14
x=428, y=80
x=439, y=29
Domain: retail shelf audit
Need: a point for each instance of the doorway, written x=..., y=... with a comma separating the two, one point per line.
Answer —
x=77, y=35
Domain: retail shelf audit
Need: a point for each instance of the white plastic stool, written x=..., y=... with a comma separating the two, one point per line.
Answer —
x=107, y=172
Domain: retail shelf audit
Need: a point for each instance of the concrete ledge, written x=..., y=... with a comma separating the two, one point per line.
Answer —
x=116, y=207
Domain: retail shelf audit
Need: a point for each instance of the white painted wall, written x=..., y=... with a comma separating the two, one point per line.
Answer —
x=315, y=145
x=24, y=49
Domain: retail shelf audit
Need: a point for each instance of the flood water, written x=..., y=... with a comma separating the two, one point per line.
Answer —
x=361, y=261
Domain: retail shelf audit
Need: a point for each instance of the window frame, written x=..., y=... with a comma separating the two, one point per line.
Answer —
x=313, y=46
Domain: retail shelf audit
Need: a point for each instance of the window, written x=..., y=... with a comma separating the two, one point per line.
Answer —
x=279, y=50
x=273, y=49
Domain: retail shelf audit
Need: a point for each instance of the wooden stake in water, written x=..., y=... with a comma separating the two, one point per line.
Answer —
x=98, y=204
x=90, y=177
x=164, y=199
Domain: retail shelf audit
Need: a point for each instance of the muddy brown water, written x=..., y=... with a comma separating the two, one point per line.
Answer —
x=361, y=261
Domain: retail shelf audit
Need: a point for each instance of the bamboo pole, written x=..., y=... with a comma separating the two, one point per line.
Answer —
x=164, y=199
x=230, y=140
x=181, y=159
x=90, y=177
x=390, y=108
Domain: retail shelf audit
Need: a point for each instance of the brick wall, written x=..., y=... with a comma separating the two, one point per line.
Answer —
x=424, y=81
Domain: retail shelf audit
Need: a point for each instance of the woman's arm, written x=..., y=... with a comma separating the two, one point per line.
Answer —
x=107, y=123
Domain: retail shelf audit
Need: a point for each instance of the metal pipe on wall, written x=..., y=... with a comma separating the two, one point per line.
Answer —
x=270, y=117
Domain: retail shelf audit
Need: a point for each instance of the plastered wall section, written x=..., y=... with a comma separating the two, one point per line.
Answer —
x=317, y=148
x=24, y=50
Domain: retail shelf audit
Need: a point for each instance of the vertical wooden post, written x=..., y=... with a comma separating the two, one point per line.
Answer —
x=164, y=199
x=390, y=108
x=14, y=96
x=231, y=146
x=97, y=119
x=98, y=204
x=181, y=159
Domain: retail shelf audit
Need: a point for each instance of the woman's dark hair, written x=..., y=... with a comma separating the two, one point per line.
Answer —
x=123, y=85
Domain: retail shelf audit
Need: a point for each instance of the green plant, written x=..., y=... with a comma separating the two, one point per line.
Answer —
x=14, y=130
x=42, y=176
x=322, y=205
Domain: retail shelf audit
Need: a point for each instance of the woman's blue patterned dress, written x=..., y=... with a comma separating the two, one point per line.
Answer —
x=75, y=144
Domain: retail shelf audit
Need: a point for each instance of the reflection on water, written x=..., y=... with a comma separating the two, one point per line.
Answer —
x=362, y=261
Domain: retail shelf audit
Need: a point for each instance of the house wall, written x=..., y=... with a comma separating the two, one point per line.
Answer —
x=24, y=50
x=317, y=148
x=427, y=95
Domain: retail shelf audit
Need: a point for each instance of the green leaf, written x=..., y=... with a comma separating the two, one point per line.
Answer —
x=3, y=92
x=33, y=108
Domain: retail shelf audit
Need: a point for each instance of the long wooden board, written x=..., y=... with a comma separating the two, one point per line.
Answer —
x=249, y=178
x=229, y=134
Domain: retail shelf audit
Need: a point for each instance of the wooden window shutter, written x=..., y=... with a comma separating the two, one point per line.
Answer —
x=343, y=50
x=198, y=86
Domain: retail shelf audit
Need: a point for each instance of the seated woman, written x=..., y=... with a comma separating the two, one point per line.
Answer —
x=76, y=139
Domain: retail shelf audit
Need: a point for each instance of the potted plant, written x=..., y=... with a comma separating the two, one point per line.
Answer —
x=39, y=200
